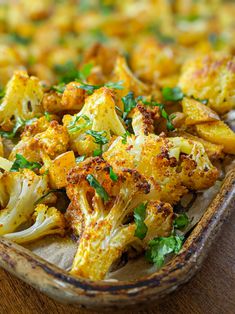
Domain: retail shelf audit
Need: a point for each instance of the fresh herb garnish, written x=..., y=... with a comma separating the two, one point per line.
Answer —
x=129, y=103
x=91, y=88
x=100, y=139
x=139, y=217
x=20, y=39
x=47, y=116
x=98, y=187
x=181, y=221
x=172, y=94
x=160, y=247
x=73, y=127
x=68, y=72
x=20, y=123
x=59, y=88
x=48, y=193
x=21, y=163
x=80, y=159
x=113, y=176
x=124, y=137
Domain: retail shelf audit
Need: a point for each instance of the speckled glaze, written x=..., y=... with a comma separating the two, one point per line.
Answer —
x=59, y=285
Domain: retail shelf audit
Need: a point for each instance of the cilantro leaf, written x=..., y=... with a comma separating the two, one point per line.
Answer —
x=181, y=221
x=100, y=139
x=98, y=187
x=139, y=217
x=172, y=94
x=113, y=176
x=160, y=247
x=21, y=163
x=129, y=103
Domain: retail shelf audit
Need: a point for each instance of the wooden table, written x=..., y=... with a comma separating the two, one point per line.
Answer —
x=211, y=291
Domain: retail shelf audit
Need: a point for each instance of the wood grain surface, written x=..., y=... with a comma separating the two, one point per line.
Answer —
x=211, y=291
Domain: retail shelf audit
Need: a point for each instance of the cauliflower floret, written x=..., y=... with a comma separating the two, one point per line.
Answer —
x=210, y=77
x=123, y=74
x=100, y=212
x=47, y=221
x=151, y=60
x=171, y=165
x=42, y=137
x=98, y=115
x=18, y=193
x=22, y=100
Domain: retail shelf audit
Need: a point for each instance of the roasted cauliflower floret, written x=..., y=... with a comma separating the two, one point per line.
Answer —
x=100, y=212
x=46, y=221
x=130, y=82
x=97, y=115
x=22, y=100
x=151, y=60
x=52, y=141
x=171, y=165
x=18, y=193
x=210, y=77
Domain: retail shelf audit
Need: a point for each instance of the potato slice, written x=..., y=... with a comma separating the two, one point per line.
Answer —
x=59, y=168
x=214, y=151
x=197, y=113
x=218, y=133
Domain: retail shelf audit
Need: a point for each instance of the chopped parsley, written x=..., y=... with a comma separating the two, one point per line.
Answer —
x=98, y=187
x=20, y=123
x=124, y=137
x=113, y=176
x=129, y=103
x=100, y=139
x=91, y=88
x=48, y=193
x=172, y=94
x=73, y=127
x=181, y=221
x=160, y=247
x=22, y=163
x=20, y=39
x=139, y=217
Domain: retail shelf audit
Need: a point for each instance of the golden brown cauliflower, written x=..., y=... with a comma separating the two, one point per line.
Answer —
x=101, y=212
x=210, y=77
x=42, y=137
x=21, y=101
x=97, y=118
x=171, y=165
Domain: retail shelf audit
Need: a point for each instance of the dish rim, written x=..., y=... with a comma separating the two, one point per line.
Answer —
x=65, y=288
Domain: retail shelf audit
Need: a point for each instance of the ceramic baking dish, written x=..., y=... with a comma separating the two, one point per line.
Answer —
x=59, y=285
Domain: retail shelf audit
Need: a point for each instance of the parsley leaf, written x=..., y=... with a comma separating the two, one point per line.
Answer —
x=48, y=193
x=91, y=88
x=181, y=221
x=139, y=217
x=98, y=187
x=59, y=88
x=124, y=137
x=160, y=247
x=21, y=163
x=172, y=94
x=73, y=127
x=113, y=176
x=99, y=138
x=20, y=123
x=129, y=103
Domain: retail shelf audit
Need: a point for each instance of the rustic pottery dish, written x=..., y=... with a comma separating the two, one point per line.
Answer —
x=59, y=285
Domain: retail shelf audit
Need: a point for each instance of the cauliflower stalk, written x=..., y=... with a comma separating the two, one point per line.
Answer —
x=22, y=100
x=47, y=221
x=101, y=212
x=171, y=165
x=97, y=118
x=18, y=193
